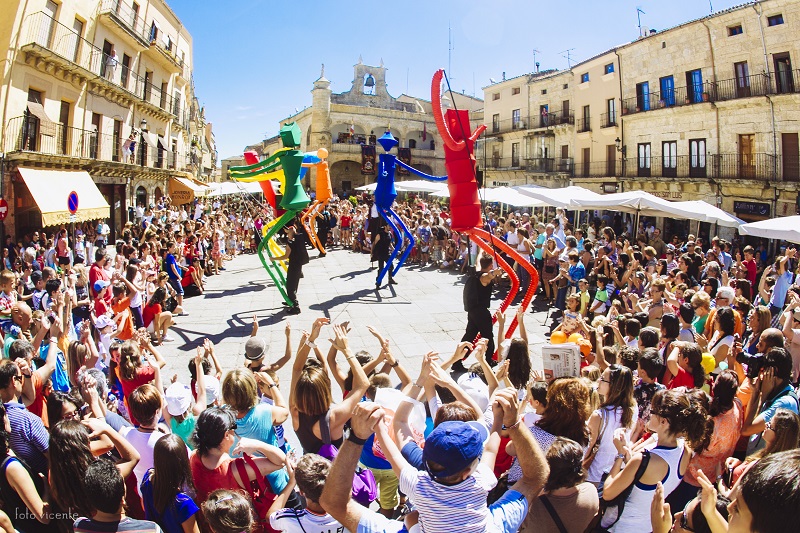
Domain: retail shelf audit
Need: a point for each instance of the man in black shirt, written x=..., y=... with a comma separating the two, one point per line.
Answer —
x=297, y=255
x=477, y=299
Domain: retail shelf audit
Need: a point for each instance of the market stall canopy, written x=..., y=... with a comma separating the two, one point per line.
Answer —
x=640, y=202
x=509, y=196
x=236, y=187
x=566, y=197
x=713, y=214
x=420, y=186
x=51, y=188
x=782, y=229
x=184, y=190
x=370, y=187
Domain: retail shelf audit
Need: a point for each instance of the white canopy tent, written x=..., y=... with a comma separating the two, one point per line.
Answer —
x=641, y=203
x=411, y=186
x=503, y=195
x=369, y=187
x=783, y=228
x=713, y=214
x=235, y=187
x=566, y=197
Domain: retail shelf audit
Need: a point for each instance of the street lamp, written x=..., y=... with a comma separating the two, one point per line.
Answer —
x=142, y=151
x=620, y=148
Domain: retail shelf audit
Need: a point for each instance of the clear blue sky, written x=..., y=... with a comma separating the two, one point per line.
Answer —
x=255, y=60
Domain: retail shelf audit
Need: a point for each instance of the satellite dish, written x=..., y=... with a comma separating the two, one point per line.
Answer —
x=492, y=80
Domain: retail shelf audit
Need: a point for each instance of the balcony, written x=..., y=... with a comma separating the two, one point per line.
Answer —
x=608, y=120
x=555, y=118
x=583, y=125
x=158, y=102
x=505, y=126
x=163, y=50
x=549, y=165
x=125, y=22
x=597, y=169
x=346, y=148
x=421, y=152
x=503, y=163
x=677, y=97
x=23, y=135
x=758, y=167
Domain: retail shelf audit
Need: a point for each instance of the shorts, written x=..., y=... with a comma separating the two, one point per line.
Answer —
x=176, y=284
x=388, y=484
x=63, y=260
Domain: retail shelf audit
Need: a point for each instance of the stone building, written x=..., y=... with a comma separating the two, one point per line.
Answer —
x=708, y=110
x=82, y=81
x=344, y=122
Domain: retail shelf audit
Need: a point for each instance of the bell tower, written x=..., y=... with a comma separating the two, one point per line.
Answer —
x=321, y=113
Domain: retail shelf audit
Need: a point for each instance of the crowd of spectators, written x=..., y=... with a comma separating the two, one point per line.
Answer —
x=685, y=403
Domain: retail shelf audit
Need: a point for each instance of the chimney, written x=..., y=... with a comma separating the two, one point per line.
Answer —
x=504, y=76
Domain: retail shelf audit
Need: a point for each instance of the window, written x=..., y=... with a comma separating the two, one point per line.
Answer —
x=611, y=112
x=669, y=156
x=514, y=154
x=544, y=116
x=587, y=125
x=697, y=158
x=515, y=122
x=694, y=86
x=584, y=77
x=774, y=20
x=515, y=90
x=412, y=143
x=495, y=96
x=608, y=69
x=742, y=79
x=643, y=160
x=496, y=123
x=667, y=91
x=642, y=96
x=544, y=91
x=735, y=30
x=566, y=86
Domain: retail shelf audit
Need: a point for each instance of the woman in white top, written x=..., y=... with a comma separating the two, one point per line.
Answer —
x=617, y=411
x=722, y=340
x=679, y=425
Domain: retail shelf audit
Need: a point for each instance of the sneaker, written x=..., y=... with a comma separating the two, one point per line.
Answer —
x=377, y=286
x=293, y=311
x=167, y=338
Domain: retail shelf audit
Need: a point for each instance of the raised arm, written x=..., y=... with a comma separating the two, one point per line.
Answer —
x=287, y=352
x=129, y=455
x=420, y=173
x=342, y=412
x=400, y=426
x=201, y=402
x=302, y=355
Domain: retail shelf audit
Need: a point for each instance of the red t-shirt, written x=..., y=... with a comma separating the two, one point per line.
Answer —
x=683, y=379
x=149, y=313
x=39, y=405
x=96, y=273
x=100, y=307
x=144, y=375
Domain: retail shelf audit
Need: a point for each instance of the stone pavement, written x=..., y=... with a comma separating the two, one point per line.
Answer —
x=422, y=313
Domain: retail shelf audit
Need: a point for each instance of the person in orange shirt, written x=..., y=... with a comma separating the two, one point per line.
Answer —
x=725, y=298
x=120, y=305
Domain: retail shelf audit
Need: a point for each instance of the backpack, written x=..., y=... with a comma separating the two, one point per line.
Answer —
x=365, y=488
x=471, y=289
x=259, y=491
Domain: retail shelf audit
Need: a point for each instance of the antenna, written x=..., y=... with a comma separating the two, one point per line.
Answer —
x=710, y=6
x=568, y=56
x=639, y=13
x=407, y=70
x=449, y=52
x=535, y=51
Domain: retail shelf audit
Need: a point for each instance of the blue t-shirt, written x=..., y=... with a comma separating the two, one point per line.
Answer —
x=171, y=262
x=780, y=289
x=257, y=424
x=413, y=454
x=577, y=272
x=178, y=512
x=59, y=377
x=782, y=400
x=370, y=460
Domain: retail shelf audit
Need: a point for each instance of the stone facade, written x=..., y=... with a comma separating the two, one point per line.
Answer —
x=102, y=70
x=706, y=110
x=343, y=122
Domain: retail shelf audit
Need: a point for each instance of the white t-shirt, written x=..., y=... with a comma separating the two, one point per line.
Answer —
x=303, y=521
x=144, y=442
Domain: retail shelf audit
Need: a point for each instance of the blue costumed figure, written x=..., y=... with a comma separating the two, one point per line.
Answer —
x=385, y=194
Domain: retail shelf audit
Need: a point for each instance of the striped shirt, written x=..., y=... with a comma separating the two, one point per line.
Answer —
x=28, y=438
x=303, y=521
x=461, y=507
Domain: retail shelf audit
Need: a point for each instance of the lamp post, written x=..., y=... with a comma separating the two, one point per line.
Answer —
x=142, y=150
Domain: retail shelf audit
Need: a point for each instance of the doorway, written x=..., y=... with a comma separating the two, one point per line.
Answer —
x=747, y=148
x=790, y=153
x=784, y=82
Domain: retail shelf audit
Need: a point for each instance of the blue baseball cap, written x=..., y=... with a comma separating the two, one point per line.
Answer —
x=453, y=445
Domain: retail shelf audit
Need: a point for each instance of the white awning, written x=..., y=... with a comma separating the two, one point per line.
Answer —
x=566, y=197
x=51, y=189
x=782, y=229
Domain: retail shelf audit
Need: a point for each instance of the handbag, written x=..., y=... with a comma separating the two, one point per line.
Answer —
x=553, y=513
x=611, y=510
x=587, y=461
x=365, y=488
x=259, y=491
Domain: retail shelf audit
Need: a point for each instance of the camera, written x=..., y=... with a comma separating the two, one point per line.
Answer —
x=752, y=362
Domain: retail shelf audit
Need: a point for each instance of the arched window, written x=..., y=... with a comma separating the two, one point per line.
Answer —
x=159, y=194
x=141, y=196
x=412, y=143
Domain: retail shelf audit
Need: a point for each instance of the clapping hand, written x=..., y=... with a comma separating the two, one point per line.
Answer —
x=365, y=417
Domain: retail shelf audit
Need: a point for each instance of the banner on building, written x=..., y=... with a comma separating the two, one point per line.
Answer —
x=404, y=155
x=367, y=159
